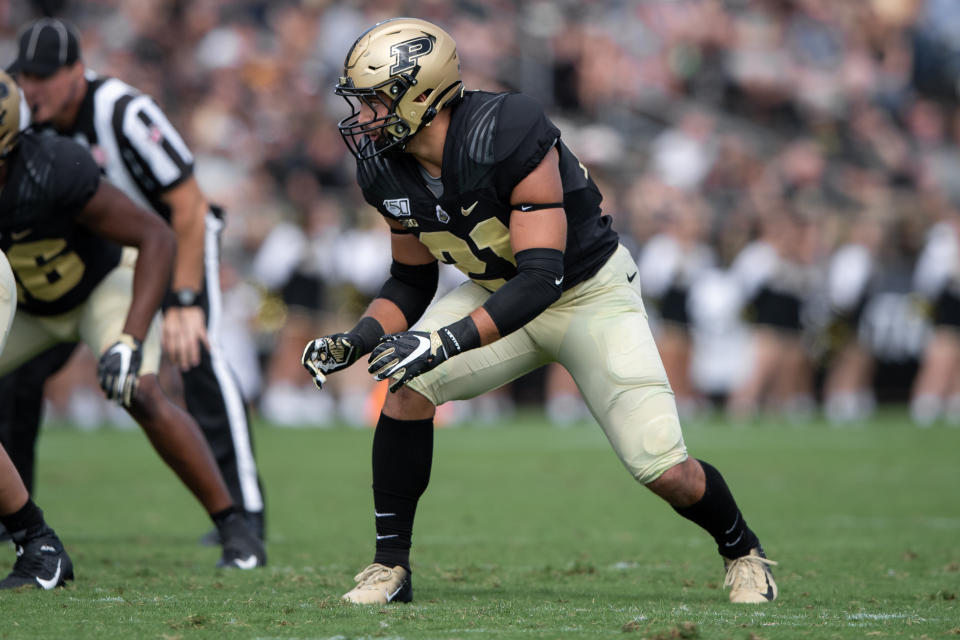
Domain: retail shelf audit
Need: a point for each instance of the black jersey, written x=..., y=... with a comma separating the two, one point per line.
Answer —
x=132, y=140
x=56, y=261
x=494, y=141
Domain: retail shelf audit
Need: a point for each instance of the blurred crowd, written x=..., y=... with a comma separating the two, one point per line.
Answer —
x=781, y=170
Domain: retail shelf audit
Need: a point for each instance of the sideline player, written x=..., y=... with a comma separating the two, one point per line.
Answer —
x=63, y=228
x=141, y=153
x=483, y=181
x=41, y=559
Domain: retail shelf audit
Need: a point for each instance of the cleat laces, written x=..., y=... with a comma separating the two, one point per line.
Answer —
x=373, y=576
x=380, y=584
x=748, y=573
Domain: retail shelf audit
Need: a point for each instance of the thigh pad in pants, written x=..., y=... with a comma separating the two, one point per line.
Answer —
x=598, y=331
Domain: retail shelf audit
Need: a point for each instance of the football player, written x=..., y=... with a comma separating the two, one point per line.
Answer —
x=140, y=152
x=41, y=559
x=484, y=182
x=62, y=229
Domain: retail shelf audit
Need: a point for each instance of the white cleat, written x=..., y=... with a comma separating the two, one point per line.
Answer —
x=378, y=584
x=750, y=579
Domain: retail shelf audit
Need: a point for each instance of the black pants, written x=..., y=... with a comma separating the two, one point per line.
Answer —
x=21, y=407
x=213, y=398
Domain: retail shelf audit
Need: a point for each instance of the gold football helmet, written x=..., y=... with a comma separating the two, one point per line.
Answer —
x=397, y=76
x=9, y=114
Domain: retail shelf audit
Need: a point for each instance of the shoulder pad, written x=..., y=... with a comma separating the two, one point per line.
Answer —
x=522, y=117
x=481, y=128
x=37, y=149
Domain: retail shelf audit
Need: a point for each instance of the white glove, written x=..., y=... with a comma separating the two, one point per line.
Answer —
x=118, y=370
x=328, y=354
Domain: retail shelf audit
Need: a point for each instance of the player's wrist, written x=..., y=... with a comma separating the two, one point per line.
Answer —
x=182, y=297
x=366, y=334
x=459, y=336
x=134, y=343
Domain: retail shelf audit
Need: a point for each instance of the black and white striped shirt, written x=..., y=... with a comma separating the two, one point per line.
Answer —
x=132, y=140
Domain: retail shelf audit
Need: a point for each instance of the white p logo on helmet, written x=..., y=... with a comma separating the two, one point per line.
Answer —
x=407, y=53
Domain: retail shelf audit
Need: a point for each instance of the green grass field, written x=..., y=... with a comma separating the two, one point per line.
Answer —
x=527, y=531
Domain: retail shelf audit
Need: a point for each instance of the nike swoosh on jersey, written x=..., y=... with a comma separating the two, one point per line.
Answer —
x=246, y=563
x=20, y=235
x=630, y=278
x=468, y=210
x=52, y=582
x=559, y=281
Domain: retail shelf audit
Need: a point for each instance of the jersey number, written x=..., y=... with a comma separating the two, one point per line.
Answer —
x=488, y=234
x=45, y=269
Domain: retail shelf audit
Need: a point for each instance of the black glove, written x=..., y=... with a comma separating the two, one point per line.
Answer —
x=328, y=354
x=118, y=370
x=406, y=355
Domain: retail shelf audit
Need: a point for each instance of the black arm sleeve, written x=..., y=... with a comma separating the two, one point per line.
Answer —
x=367, y=333
x=537, y=285
x=411, y=287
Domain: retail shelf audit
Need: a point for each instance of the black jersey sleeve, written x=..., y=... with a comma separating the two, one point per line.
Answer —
x=524, y=136
x=75, y=176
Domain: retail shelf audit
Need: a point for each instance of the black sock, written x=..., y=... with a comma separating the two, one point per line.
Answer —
x=220, y=517
x=402, y=457
x=717, y=512
x=27, y=517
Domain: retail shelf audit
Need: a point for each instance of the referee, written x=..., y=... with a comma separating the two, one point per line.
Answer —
x=141, y=153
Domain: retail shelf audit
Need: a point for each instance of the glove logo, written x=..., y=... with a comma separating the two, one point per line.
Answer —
x=404, y=356
x=338, y=349
x=422, y=348
x=328, y=354
x=118, y=370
